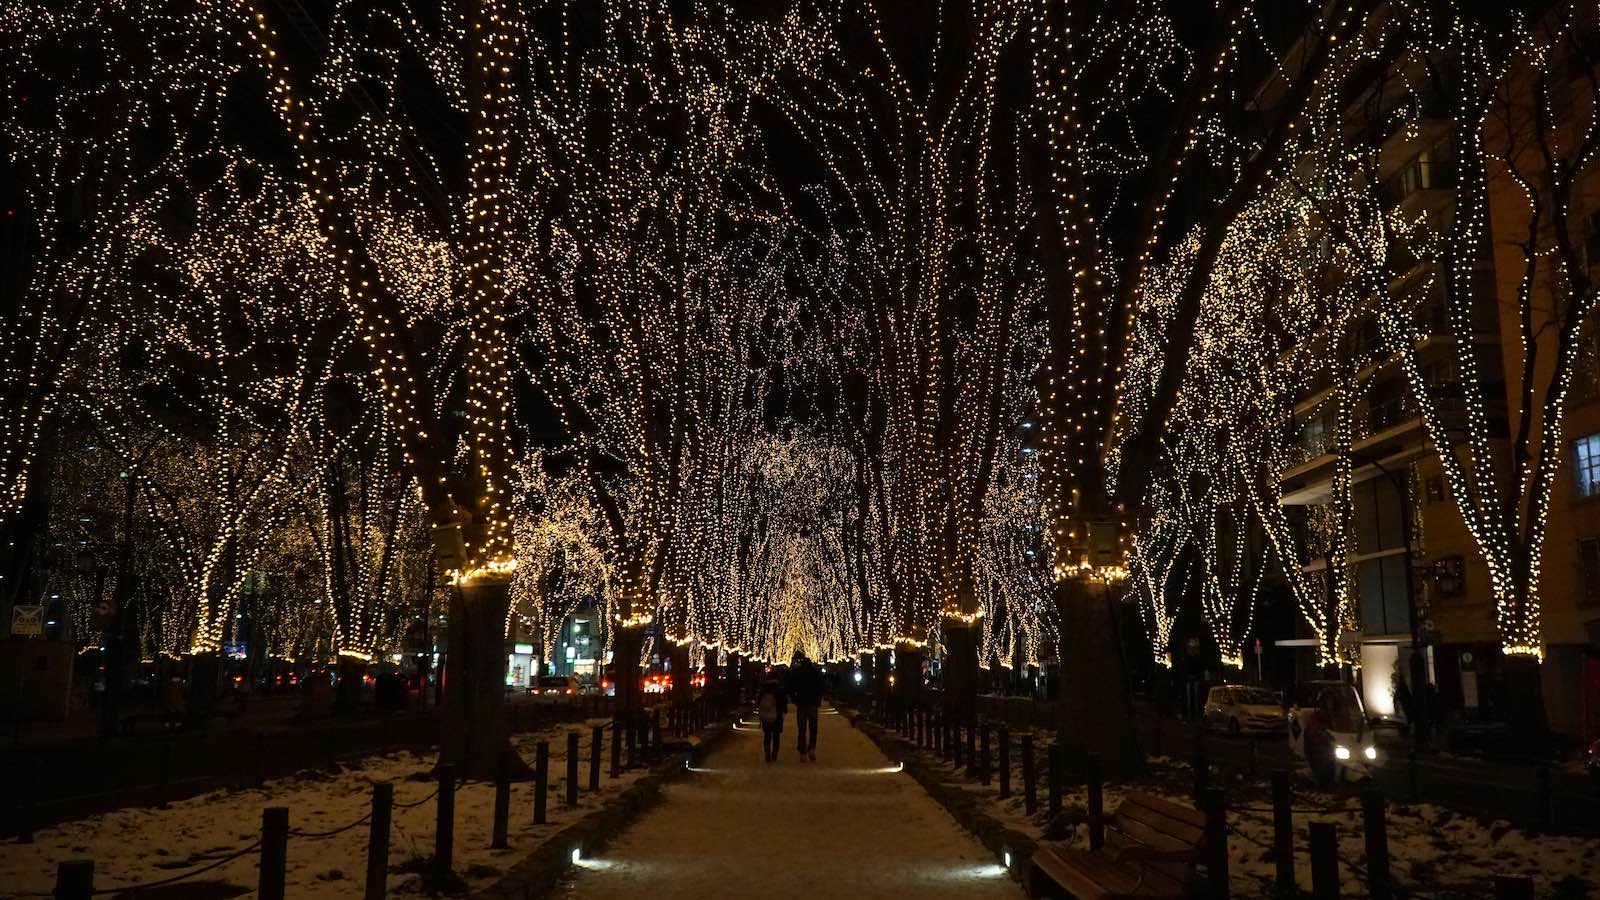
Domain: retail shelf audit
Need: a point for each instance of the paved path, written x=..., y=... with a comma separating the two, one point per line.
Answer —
x=848, y=825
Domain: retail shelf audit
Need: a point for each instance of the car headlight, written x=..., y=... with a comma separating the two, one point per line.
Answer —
x=1341, y=752
x=1371, y=752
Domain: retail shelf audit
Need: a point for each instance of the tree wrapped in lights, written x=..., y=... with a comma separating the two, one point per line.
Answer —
x=1521, y=95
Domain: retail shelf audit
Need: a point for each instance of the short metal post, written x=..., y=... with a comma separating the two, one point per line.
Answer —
x=1324, y=861
x=1030, y=778
x=1005, y=763
x=74, y=879
x=1547, y=813
x=163, y=774
x=1376, y=832
x=1216, y=850
x=502, y=802
x=972, y=749
x=1056, y=774
x=1095, y=788
x=261, y=758
x=1283, y=832
x=541, y=781
x=572, y=768
x=378, y=842
x=594, y=756
x=983, y=755
x=444, y=828
x=616, y=748
x=1513, y=887
x=274, y=852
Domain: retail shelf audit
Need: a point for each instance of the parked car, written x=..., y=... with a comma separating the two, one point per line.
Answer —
x=554, y=686
x=1237, y=708
x=1328, y=729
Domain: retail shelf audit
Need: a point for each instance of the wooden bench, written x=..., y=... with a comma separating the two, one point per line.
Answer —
x=1151, y=847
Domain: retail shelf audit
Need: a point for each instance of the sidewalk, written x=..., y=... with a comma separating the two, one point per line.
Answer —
x=848, y=825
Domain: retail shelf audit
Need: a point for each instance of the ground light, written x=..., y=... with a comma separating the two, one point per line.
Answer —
x=577, y=855
x=1005, y=856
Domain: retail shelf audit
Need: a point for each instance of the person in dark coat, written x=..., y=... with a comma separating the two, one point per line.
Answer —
x=772, y=704
x=806, y=689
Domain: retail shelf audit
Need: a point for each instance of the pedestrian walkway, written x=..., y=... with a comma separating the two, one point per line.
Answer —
x=848, y=825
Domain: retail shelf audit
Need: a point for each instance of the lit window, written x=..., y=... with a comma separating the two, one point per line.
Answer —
x=1588, y=459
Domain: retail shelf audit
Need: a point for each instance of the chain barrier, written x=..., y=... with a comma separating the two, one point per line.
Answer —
x=319, y=835
x=418, y=802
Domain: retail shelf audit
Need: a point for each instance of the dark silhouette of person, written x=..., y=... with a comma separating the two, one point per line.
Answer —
x=772, y=704
x=806, y=688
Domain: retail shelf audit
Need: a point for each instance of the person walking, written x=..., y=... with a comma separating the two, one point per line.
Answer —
x=806, y=688
x=772, y=703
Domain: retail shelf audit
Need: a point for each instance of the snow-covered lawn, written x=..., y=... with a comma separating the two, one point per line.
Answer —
x=1431, y=848
x=141, y=845
x=848, y=825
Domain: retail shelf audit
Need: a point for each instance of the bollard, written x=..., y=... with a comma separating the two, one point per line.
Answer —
x=163, y=774
x=378, y=842
x=261, y=758
x=333, y=749
x=936, y=735
x=983, y=755
x=74, y=879
x=541, y=780
x=572, y=768
x=630, y=730
x=594, y=757
x=1254, y=758
x=616, y=748
x=502, y=802
x=1547, y=814
x=655, y=734
x=1283, y=832
x=1216, y=849
x=1030, y=780
x=1096, y=801
x=1513, y=887
x=444, y=828
x=25, y=805
x=274, y=852
x=955, y=744
x=1376, y=833
x=1412, y=775
x=1324, y=861
x=972, y=749
x=922, y=727
x=1056, y=774
x=1005, y=762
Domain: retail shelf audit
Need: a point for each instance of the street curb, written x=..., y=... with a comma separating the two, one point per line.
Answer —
x=961, y=806
x=540, y=872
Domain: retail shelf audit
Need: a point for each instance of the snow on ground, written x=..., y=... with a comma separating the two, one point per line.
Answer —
x=1431, y=848
x=138, y=845
x=848, y=825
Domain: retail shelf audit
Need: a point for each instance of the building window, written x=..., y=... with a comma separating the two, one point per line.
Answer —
x=1436, y=489
x=1588, y=459
x=1589, y=558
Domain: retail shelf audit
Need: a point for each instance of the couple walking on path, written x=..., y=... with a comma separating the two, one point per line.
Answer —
x=805, y=686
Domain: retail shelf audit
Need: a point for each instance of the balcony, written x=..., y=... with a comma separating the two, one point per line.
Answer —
x=1421, y=186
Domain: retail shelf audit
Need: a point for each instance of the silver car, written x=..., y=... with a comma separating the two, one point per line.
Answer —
x=1237, y=709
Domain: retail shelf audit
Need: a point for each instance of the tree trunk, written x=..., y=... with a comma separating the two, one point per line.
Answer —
x=713, y=673
x=352, y=678
x=627, y=641
x=682, y=678
x=960, y=671
x=1095, y=711
x=908, y=673
x=884, y=671
x=1525, y=697
x=475, y=680
x=735, y=673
